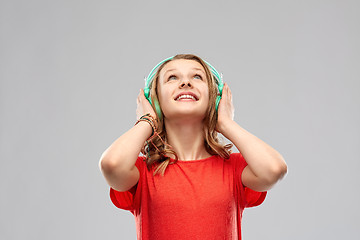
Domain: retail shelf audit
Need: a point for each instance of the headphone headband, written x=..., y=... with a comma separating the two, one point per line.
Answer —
x=151, y=75
x=215, y=73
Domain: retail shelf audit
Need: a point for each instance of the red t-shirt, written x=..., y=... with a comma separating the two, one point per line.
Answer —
x=199, y=199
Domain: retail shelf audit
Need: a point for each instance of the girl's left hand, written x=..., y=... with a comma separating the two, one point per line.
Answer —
x=225, y=109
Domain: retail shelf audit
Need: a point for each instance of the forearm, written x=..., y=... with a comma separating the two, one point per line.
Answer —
x=264, y=161
x=123, y=152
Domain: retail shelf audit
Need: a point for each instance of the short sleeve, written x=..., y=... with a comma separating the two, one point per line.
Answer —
x=129, y=200
x=248, y=197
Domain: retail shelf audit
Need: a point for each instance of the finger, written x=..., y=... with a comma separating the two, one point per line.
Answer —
x=138, y=97
x=142, y=94
x=224, y=91
x=228, y=88
x=228, y=92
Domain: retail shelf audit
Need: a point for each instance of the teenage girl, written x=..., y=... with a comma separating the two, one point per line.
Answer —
x=187, y=184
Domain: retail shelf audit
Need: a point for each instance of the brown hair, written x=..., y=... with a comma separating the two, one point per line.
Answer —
x=156, y=156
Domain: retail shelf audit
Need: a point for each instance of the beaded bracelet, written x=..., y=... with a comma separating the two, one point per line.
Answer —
x=151, y=120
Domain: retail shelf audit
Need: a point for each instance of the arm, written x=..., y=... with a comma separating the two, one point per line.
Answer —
x=265, y=165
x=117, y=163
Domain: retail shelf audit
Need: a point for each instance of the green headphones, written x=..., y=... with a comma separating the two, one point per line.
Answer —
x=149, y=79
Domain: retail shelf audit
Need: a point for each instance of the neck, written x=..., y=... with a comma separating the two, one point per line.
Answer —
x=187, y=138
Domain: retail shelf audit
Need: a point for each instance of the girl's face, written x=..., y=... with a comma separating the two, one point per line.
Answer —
x=183, y=89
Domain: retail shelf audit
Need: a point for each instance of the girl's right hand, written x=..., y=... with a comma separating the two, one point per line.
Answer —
x=143, y=106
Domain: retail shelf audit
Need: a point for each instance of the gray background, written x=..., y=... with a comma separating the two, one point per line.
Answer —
x=71, y=71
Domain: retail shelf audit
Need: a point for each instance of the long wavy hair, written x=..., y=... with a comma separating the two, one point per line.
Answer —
x=157, y=156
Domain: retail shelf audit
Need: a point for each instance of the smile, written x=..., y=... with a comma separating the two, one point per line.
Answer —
x=185, y=97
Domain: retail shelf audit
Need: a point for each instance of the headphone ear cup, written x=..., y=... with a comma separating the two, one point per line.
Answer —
x=217, y=102
x=158, y=109
x=220, y=87
x=156, y=103
x=147, y=94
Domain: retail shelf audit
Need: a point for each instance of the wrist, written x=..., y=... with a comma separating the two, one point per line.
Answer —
x=145, y=129
x=224, y=126
x=150, y=121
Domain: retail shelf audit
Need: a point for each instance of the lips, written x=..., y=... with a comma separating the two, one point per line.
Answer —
x=186, y=95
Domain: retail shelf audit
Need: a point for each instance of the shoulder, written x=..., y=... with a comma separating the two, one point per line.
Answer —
x=233, y=157
x=237, y=159
x=140, y=162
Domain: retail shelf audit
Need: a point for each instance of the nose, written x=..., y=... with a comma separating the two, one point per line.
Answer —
x=185, y=83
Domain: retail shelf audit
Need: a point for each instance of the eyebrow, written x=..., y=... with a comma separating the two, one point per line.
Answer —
x=169, y=71
x=173, y=69
x=199, y=69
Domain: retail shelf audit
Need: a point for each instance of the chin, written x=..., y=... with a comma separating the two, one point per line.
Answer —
x=190, y=114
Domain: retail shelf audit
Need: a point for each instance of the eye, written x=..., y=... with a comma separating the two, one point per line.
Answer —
x=197, y=76
x=172, y=77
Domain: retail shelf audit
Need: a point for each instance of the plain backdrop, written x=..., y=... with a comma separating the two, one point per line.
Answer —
x=70, y=73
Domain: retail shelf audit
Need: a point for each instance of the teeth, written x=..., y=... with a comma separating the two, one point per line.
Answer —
x=186, y=97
